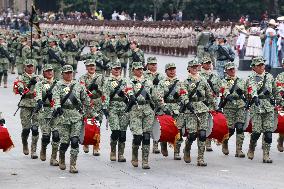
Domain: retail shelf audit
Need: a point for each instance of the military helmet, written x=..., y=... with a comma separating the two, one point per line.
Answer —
x=30, y=61
x=89, y=62
x=116, y=64
x=257, y=61
x=67, y=68
x=152, y=60
x=170, y=65
x=47, y=67
x=229, y=65
x=206, y=60
x=52, y=39
x=94, y=44
x=193, y=62
x=137, y=65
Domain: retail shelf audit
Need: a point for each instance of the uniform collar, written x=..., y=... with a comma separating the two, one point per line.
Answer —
x=194, y=77
x=115, y=77
x=171, y=78
x=138, y=78
x=208, y=72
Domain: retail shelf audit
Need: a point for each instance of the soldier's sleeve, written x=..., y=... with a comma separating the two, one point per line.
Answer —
x=209, y=95
x=85, y=56
x=38, y=91
x=279, y=91
x=105, y=58
x=86, y=101
x=56, y=96
x=231, y=52
x=251, y=88
x=105, y=95
x=184, y=96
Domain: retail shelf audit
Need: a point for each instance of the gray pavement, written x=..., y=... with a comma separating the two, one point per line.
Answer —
x=19, y=171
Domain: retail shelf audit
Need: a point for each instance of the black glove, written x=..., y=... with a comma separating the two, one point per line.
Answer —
x=156, y=81
x=189, y=107
x=132, y=99
x=2, y=121
x=256, y=101
x=39, y=105
x=198, y=94
x=121, y=94
x=176, y=95
x=57, y=112
x=93, y=86
x=266, y=92
x=33, y=81
x=167, y=112
x=219, y=110
x=105, y=112
x=239, y=92
x=77, y=57
x=229, y=98
x=21, y=90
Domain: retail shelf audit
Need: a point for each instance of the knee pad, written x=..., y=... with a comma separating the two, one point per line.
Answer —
x=122, y=136
x=146, y=139
x=255, y=136
x=45, y=140
x=268, y=137
x=5, y=73
x=231, y=132
x=137, y=139
x=55, y=136
x=191, y=137
x=25, y=133
x=239, y=127
x=115, y=135
x=63, y=147
x=74, y=142
x=202, y=135
x=34, y=129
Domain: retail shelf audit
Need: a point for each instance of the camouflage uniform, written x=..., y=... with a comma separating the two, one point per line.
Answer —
x=4, y=63
x=28, y=118
x=94, y=85
x=72, y=48
x=196, y=113
x=262, y=111
x=234, y=96
x=202, y=41
x=141, y=116
x=136, y=55
x=70, y=123
x=114, y=107
x=43, y=91
x=19, y=56
x=110, y=48
x=122, y=47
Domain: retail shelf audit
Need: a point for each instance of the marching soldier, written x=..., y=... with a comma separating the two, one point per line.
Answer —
x=114, y=105
x=135, y=55
x=38, y=52
x=233, y=104
x=169, y=89
x=44, y=105
x=196, y=112
x=110, y=48
x=19, y=54
x=203, y=39
x=71, y=104
x=122, y=47
x=25, y=86
x=214, y=83
x=141, y=114
x=5, y=58
x=93, y=82
x=260, y=86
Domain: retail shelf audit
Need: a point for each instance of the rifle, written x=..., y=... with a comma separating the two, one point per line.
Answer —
x=6, y=54
x=52, y=54
x=222, y=51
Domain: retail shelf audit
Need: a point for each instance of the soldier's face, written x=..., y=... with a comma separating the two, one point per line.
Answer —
x=48, y=74
x=206, y=66
x=29, y=69
x=193, y=69
x=138, y=72
x=116, y=72
x=152, y=67
x=171, y=72
x=231, y=72
x=93, y=49
x=259, y=68
x=68, y=76
x=133, y=46
x=91, y=69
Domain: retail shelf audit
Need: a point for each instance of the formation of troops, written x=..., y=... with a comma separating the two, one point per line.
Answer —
x=53, y=103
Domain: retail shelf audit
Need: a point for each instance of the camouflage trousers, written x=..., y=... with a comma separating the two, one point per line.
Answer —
x=234, y=116
x=262, y=122
x=124, y=62
x=118, y=120
x=4, y=67
x=47, y=128
x=141, y=119
x=25, y=115
x=193, y=125
x=220, y=67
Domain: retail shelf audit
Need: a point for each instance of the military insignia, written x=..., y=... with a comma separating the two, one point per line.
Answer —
x=66, y=90
x=193, y=85
x=167, y=83
x=46, y=86
x=113, y=84
x=138, y=85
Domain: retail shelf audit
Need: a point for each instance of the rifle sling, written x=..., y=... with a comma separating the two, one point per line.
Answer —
x=170, y=90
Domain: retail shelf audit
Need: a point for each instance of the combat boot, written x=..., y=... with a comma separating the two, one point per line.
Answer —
x=53, y=161
x=176, y=152
x=96, y=150
x=43, y=152
x=25, y=146
x=121, y=146
x=208, y=145
x=164, y=148
x=73, y=159
x=33, y=147
x=239, y=146
x=225, y=148
x=113, y=150
x=134, y=160
x=266, y=149
x=280, y=143
x=145, y=156
x=200, y=158
x=62, y=164
x=250, y=153
x=156, y=147
x=186, y=152
x=86, y=148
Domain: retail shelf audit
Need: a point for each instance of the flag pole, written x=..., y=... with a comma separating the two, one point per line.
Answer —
x=31, y=23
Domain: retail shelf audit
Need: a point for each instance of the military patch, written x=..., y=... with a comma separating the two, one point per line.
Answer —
x=66, y=90
x=167, y=83
x=138, y=85
x=46, y=86
x=193, y=85
x=114, y=84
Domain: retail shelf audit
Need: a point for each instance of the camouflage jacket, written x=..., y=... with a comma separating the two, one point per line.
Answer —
x=151, y=76
x=86, y=80
x=136, y=56
x=51, y=60
x=122, y=46
x=97, y=56
x=279, y=91
x=110, y=46
x=254, y=83
x=3, y=58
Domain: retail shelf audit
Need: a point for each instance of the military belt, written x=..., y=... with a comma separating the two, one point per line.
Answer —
x=143, y=102
x=69, y=107
x=117, y=100
x=222, y=59
x=263, y=97
x=171, y=101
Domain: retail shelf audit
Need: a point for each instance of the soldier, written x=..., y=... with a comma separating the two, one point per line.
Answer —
x=141, y=114
x=110, y=48
x=122, y=47
x=43, y=98
x=279, y=94
x=53, y=55
x=224, y=53
x=233, y=104
x=204, y=38
x=69, y=97
x=196, y=112
x=37, y=52
x=5, y=58
x=154, y=76
x=261, y=85
x=12, y=46
x=19, y=54
x=93, y=82
x=135, y=55
x=25, y=85
x=102, y=62
x=114, y=105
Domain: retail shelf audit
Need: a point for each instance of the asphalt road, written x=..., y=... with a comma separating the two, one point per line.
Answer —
x=19, y=171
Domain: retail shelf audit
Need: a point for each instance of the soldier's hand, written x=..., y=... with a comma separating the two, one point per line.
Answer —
x=59, y=111
x=219, y=110
x=20, y=90
x=2, y=121
x=176, y=95
x=105, y=112
x=39, y=105
x=156, y=81
x=256, y=101
x=229, y=98
x=94, y=86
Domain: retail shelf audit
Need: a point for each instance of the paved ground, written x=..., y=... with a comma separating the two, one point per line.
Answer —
x=19, y=171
